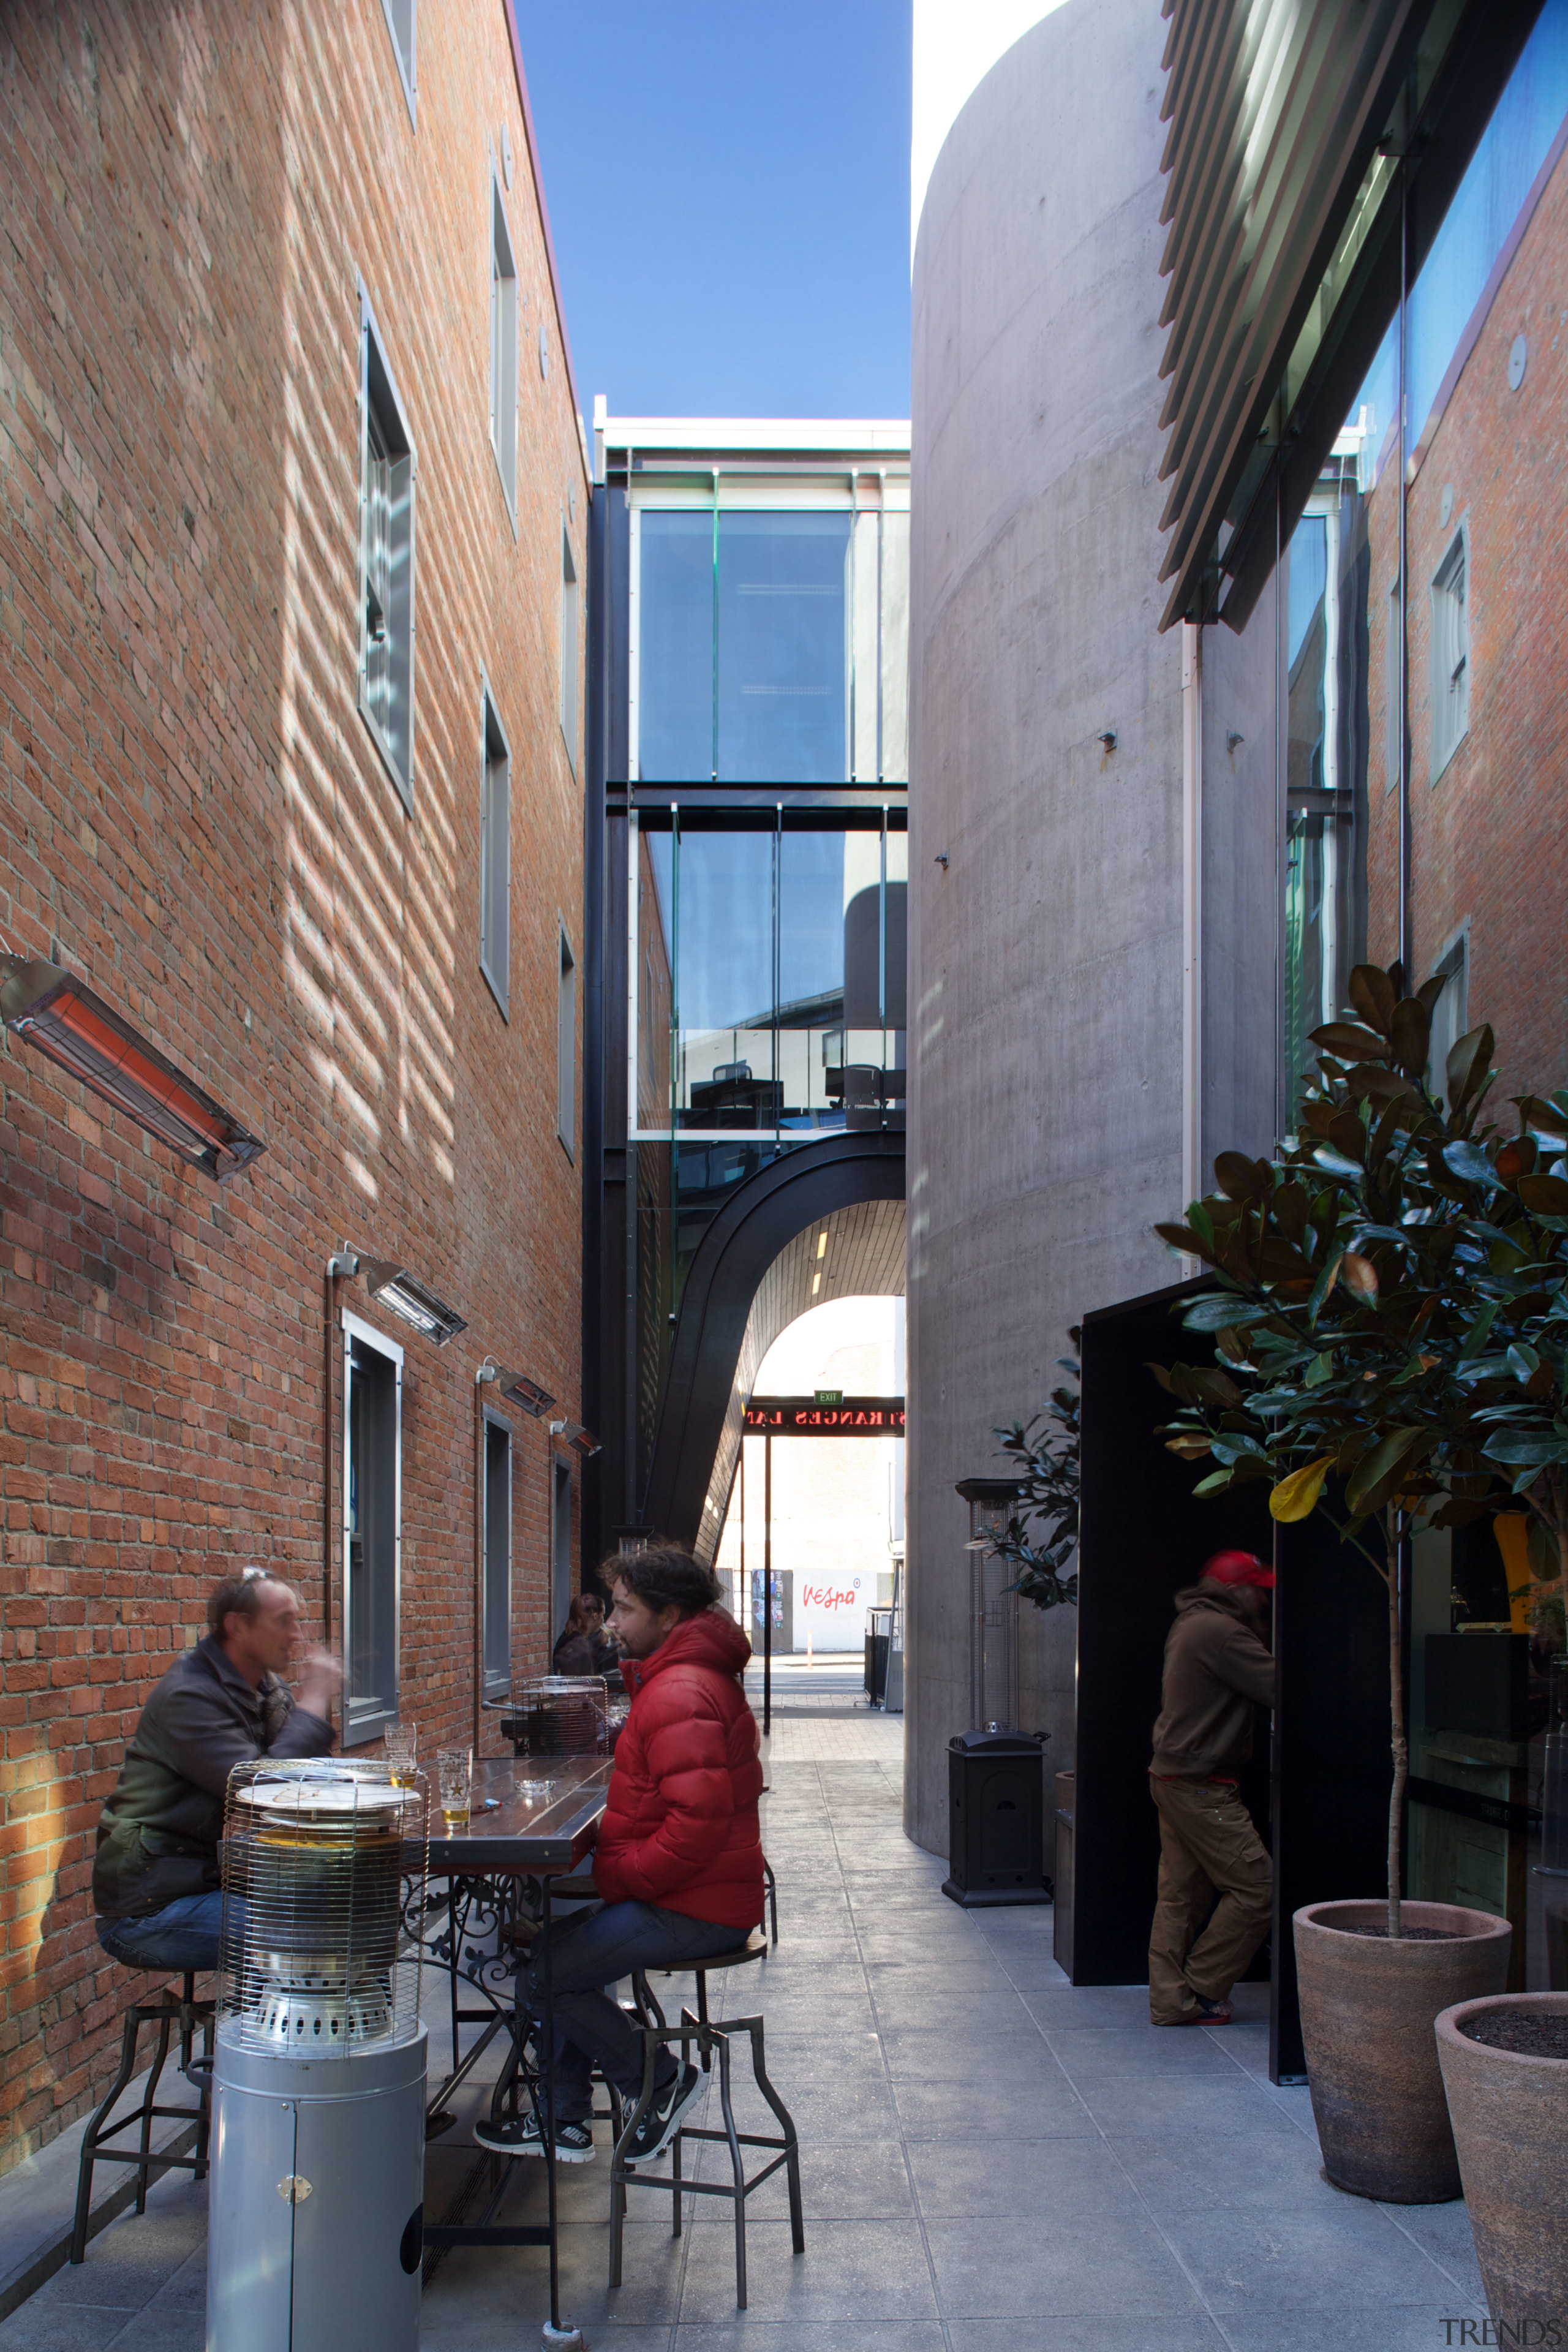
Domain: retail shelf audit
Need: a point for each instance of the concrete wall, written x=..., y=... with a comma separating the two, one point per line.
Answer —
x=1045, y=954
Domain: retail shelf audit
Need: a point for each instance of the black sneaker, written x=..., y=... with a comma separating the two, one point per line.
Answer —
x=520, y=2136
x=660, y=2124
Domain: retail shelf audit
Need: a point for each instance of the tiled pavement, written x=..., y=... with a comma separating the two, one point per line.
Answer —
x=991, y=2161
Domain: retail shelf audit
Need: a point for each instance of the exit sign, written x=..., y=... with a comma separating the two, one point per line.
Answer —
x=828, y=1396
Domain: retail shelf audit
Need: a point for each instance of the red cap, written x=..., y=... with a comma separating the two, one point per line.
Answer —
x=1236, y=1568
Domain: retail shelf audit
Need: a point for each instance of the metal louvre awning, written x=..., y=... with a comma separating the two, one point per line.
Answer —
x=1287, y=118
x=1276, y=108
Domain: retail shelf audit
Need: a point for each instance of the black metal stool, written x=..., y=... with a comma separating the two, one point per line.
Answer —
x=187, y=2012
x=770, y=1896
x=709, y=2037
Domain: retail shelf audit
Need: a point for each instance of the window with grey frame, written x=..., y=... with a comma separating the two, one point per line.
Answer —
x=402, y=23
x=495, y=858
x=386, y=561
x=373, y=1504
x=1451, y=1013
x=569, y=649
x=495, y=1649
x=503, y=347
x=561, y=1546
x=566, y=1049
x=1450, y=652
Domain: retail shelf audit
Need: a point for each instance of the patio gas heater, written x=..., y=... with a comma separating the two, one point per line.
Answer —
x=995, y=1773
x=316, y=2213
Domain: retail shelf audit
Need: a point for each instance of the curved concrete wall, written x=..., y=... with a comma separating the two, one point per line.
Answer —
x=1046, y=955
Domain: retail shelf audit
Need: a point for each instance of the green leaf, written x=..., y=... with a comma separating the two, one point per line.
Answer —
x=1241, y=1179
x=1220, y=1312
x=1381, y=1473
x=1350, y=1042
x=1374, y=995
x=1479, y=1331
x=1335, y=1163
x=1519, y=1447
x=1468, y=1161
x=1214, y=1483
x=1468, y=1064
x=1410, y=1036
x=1544, y=1196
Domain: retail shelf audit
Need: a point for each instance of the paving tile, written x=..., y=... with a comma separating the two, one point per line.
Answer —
x=936, y=2007
x=748, y=2333
x=1195, y=2105
x=1194, y=2334
x=1013, y=2112
x=850, y=2181
x=164, y=2328
x=982, y=2180
x=1443, y=2233
x=1325, y=2259
x=851, y=2271
x=1106, y=2260
x=1378, y=2328
x=1056, y=2005
x=1176, y=2173
x=1092, y=2053
x=915, y=2056
x=51, y=2325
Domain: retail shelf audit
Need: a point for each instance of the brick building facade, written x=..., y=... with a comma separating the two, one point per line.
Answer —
x=1487, y=510
x=222, y=223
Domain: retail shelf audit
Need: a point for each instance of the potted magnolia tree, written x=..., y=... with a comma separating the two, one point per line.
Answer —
x=1041, y=1535
x=1392, y=1324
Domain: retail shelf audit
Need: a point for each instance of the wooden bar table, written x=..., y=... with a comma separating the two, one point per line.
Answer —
x=512, y=1838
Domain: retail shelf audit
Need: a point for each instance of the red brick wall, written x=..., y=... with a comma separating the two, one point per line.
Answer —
x=1489, y=836
x=193, y=813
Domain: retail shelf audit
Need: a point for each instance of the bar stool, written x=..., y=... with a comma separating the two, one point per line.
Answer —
x=187, y=2013
x=709, y=2039
x=771, y=1892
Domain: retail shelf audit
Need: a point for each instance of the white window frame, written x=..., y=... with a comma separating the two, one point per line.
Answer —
x=357, y=1731
x=387, y=546
x=495, y=844
x=493, y=1683
x=1452, y=966
x=405, y=49
x=566, y=1044
x=504, y=312
x=569, y=637
x=1452, y=638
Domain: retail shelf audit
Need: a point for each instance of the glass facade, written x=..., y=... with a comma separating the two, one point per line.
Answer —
x=771, y=643
x=770, y=969
x=1419, y=742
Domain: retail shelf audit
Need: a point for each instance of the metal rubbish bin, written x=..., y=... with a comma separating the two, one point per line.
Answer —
x=878, y=1629
x=995, y=1789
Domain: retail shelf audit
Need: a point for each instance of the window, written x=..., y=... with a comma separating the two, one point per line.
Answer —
x=569, y=650
x=1450, y=1014
x=497, y=1551
x=561, y=1547
x=1450, y=653
x=495, y=858
x=386, y=561
x=566, y=1049
x=402, y=23
x=503, y=349
x=373, y=1528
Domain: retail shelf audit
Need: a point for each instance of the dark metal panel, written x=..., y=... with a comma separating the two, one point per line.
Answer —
x=1143, y=1538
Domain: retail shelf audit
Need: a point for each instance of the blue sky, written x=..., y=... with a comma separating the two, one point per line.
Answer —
x=728, y=187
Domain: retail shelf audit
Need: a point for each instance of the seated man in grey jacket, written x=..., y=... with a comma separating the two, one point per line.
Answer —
x=1218, y=1670
x=155, y=1873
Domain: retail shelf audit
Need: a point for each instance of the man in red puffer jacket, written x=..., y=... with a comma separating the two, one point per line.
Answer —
x=679, y=1862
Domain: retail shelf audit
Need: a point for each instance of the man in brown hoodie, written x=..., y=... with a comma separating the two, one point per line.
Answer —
x=1216, y=1671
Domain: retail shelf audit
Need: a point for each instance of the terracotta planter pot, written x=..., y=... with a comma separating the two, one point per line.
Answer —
x=1510, y=2126
x=1367, y=2014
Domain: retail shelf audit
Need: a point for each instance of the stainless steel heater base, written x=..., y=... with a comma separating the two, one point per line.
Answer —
x=315, y=2230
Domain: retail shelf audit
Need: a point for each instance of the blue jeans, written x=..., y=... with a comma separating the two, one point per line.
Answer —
x=591, y=1949
x=183, y=1934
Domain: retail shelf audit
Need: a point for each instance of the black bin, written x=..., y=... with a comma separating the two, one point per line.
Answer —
x=996, y=1795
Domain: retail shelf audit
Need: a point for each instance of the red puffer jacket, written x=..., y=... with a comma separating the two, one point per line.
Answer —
x=680, y=1826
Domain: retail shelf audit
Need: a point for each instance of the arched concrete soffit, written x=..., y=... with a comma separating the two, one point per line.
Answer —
x=753, y=1275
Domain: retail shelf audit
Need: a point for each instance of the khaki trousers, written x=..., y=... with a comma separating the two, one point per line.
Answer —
x=1207, y=1845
